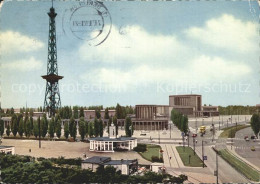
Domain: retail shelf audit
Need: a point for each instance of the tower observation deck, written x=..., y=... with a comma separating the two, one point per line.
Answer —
x=52, y=95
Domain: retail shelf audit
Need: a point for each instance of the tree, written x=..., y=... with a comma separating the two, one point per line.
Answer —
x=58, y=128
x=8, y=130
x=66, y=130
x=35, y=128
x=82, y=128
x=106, y=113
x=71, y=123
x=116, y=124
x=74, y=131
x=27, y=128
x=255, y=124
x=12, y=111
x=129, y=129
x=101, y=127
x=76, y=112
x=20, y=127
x=119, y=111
x=96, y=127
x=2, y=127
x=51, y=129
x=90, y=129
x=13, y=119
x=15, y=127
x=44, y=125
x=81, y=112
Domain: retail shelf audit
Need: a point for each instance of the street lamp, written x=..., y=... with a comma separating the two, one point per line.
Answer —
x=203, y=153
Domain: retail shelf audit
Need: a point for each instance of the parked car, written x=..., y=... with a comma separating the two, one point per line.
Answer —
x=194, y=135
x=252, y=137
x=247, y=139
x=252, y=148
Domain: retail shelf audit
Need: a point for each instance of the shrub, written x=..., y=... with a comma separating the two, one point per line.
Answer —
x=140, y=148
x=156, y=159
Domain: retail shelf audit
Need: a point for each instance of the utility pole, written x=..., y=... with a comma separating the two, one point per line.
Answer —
x=39, y=124
x=196, y=125
x=170, y=131
x=217, y=167
x=193, y=145
x=202, y=154
x=183, y=144
x=159, y=136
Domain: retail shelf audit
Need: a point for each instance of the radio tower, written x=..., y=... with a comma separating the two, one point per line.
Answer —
x=52, y=95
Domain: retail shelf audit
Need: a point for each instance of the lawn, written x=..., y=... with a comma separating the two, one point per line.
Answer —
x=240, y=166
x=195, y=161
x=230, y=132
x=152, y=150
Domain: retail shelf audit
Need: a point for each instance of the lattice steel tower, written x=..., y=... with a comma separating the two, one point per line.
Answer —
x=52, y=95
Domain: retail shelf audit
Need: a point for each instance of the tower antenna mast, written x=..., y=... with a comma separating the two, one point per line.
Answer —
x=52, y=95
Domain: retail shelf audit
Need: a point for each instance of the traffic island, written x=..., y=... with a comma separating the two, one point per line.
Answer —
x=230, y=132
x=241, y=166
x=188, y=158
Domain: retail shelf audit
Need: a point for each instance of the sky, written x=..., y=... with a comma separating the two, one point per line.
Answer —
x=145, y=52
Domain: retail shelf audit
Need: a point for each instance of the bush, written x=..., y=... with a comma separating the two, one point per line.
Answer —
x=157, y=159
x=140, y=148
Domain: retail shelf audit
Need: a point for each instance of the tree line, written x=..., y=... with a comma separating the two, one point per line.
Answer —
x=27, y=126
x=180, y=120
x=24, y=169
x=238, y=109
x=76, y=112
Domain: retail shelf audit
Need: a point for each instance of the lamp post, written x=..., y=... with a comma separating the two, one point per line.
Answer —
x=39, y=125
x=193, y=145
x=217, y=167
x=202, y=154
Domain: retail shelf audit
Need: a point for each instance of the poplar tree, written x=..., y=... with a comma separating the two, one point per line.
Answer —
x=66, y=130
x=8, y=130
x=51, y=129
x=58, y=128
x=82, y=128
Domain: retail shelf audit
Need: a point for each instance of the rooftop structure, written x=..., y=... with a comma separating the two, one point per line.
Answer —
x=126, y=166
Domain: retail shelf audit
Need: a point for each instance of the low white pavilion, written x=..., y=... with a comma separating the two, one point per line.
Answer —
x=112, y=143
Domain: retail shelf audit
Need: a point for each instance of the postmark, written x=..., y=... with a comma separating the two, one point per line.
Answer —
x=88, y=20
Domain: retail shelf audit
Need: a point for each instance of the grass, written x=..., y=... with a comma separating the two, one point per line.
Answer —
x=230, y=132
x=195, y=161
x=152, y=150
x=240, y=166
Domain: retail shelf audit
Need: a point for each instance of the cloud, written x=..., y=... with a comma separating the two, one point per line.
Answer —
x=134, y=45
x=200, y=70
x=227, y=32
x=23, y=65
x=16, y=42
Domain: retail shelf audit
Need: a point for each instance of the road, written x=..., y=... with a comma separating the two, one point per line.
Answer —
x=226, y=172
x=175, y=166
x=243, y=148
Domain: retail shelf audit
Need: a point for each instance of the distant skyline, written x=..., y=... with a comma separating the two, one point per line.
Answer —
x=154, y=49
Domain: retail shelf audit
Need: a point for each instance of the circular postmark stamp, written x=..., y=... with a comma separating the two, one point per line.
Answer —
x=88, y=20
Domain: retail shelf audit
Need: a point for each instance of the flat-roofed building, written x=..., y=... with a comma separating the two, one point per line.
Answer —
x=151, y=117
x=125, y=166
x=189, y=104
x=7, y=149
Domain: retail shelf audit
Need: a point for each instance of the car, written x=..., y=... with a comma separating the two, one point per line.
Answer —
x=252, y=148
x=247, y=139
x=194, y=135
x=252, y=137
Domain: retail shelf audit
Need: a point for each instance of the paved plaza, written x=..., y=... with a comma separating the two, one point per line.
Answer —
x=66, y=149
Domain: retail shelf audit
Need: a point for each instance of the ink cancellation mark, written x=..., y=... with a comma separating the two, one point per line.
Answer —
x=89, y=20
